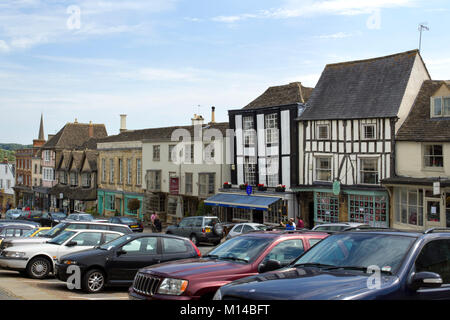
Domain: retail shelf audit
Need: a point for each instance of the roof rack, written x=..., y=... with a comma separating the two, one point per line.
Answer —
x=431, y=230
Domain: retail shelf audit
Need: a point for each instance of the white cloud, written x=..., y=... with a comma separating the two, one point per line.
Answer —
x=4, y=46
x=338, y=35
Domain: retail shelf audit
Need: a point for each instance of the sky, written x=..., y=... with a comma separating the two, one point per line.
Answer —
x=161, y=61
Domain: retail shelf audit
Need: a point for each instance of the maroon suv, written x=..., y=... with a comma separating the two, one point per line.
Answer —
x=245, y=255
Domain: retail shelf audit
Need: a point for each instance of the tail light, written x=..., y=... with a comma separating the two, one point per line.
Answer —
x=203, y=230
x=196, y=249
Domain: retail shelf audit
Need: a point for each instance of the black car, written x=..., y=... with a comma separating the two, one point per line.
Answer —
x=133, y=223
x=355, y=265
x=45, y=219
x=117, y=262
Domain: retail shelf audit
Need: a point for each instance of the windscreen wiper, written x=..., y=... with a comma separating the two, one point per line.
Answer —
x=234, y=259
x=313, y=264
x=213, y=256
x=356, y=268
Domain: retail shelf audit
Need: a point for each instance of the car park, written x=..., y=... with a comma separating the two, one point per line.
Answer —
x=355, y=265
x=244, y=255
x=245, y=227
x=116, y=263
x=38, y=260
x=133, y=223
x=199, y=229
x=56, y=230
x=340, y=226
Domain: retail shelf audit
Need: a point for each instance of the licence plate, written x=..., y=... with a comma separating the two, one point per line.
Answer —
x=134, y=226
x=208, y=229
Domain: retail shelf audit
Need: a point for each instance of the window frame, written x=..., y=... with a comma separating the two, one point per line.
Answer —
x=361, y=160
x=424, y=155
x=317, y=169
x=318, y=127
x=364, y=133
x=445, y=110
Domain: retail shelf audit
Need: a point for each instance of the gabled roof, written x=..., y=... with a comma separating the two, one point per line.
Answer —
x=287, y=94
x=74, y=135
x=159, y=134
x=419, y=126
x=370, y=88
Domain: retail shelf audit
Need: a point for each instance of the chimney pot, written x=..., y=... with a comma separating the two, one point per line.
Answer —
x=213, y=114
x=91, y=129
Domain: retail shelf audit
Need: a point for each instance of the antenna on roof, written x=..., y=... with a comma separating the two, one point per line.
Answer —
x=422, y=26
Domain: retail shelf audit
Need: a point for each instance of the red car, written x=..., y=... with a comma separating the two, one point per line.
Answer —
x=242, y=256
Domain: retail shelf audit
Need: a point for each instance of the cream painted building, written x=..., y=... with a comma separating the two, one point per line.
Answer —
x=420, y=190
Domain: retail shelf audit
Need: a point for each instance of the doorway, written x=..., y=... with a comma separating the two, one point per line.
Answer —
x=433, y=213
x=258, y=216
x=311, y=214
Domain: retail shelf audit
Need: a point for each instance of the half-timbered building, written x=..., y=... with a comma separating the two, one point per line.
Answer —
x=347, y=137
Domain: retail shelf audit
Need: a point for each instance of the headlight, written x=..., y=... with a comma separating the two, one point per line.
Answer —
x=173, y=286
x=14, y=254
x=218, y=295
x=69, y=262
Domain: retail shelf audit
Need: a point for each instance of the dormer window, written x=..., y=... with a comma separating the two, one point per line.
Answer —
x=440, y=107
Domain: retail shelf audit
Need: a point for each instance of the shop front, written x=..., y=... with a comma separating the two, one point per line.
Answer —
x=420, y=204
x=347, y=205
x=111, y=203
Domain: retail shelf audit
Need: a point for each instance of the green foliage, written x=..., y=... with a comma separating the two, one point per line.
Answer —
x=14, y=146
x=203, y=209
x=7, y=154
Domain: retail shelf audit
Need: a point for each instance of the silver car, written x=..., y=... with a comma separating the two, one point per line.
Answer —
x=245, y=227
x=340, y=226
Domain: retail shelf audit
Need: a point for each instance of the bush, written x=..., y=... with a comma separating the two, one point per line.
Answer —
x=133, y=205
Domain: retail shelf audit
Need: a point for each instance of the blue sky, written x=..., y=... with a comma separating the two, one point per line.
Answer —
x=158, y=60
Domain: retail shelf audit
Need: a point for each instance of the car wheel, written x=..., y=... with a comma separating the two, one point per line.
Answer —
x=93, y=281
x=194, y=239
x=38, y=268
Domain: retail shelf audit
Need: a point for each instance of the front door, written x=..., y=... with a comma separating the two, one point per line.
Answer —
x=433, y=213
x=132, y=256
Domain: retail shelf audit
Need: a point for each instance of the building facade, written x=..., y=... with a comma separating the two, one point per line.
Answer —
x=264, y=157
x=179, y=175
x=420, y=188
x=7, y=182
x=347, y=137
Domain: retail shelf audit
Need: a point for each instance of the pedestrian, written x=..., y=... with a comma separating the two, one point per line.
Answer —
x=157, y=223
x=300, y=223
x=290, y=225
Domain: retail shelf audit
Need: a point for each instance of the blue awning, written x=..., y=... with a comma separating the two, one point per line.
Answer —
x=241, y=201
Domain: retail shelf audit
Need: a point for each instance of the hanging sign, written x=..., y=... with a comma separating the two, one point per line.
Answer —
x=336, y=187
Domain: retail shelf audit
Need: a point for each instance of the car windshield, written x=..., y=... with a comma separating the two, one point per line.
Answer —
x=330, y=228
x=128, y=220
x=58, y=215
x=210, y=222
x=56, y=230
x=115, y=243
x=62, y=237
x=359, y=251
x=242, y=248
x=29, y=233
x=261, y=227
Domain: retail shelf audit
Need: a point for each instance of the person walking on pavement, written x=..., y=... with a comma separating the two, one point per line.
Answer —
x=290, y=225
x=157, y=223
x=300, y=223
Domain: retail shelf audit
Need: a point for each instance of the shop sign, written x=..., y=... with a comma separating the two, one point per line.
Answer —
x=436, y=188
x=249, y=190
x=174, y=186
x=336, y=187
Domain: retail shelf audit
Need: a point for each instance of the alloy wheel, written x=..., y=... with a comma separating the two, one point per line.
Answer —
x=96, y=281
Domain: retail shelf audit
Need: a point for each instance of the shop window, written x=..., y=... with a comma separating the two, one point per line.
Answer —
x=110, y=203
x=242, y=214
x=434, y=210
x=369, y=209
x=172, y=205
x=157, y=203
x=409, y=206
x=275, y=213
x=327, y=208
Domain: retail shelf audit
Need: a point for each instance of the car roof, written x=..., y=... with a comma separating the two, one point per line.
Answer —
x=93, y=222
x=91, y=230
x=284, y=233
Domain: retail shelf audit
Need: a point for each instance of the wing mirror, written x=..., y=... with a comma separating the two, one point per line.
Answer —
x=71, y=244
x=120, y=252
x=426, y=279
x=269, y=265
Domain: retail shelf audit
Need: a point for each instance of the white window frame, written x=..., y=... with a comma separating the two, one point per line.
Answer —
x=272, y=133
x=111, y=171
x=154, y=184
x=363, y=131
x=316, y=159
x=129, y=171
x=103, y=170
x=360, y=175
x=443, y=108
x=188, y=183
x=206, y=183
x=436, y=168
x=250, y=176
x=156, y=152
x=319, y=126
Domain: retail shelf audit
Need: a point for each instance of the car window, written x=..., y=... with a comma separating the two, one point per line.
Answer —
x=77, y=226
x=238, y=228
x=174, y=245
x=128, y=220
x=198, y=222
x=246, y=228
x=88, y=238
x=210, y=222
x=99, y=227
x=41, y=233
x=3, y=232
x=245, y=247
x=312, y=241
x=118, y=229
x=184, y=222
x=111, y=236
x=85, y=218
x=61, y=238
x=10, y=232
x=145, y=245
x=190, y=222
x=286, y=251
x=435, y=257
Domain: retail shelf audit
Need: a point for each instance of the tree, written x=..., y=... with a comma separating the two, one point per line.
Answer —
x=133, y=205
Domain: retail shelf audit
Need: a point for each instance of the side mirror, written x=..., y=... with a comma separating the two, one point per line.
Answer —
x=425, y=279
x=120, y=252
x=269, y=265
x=71, y=244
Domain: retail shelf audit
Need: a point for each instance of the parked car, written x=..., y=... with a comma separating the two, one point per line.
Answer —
x=38, y=260
x=410, y=265
x=244, y=255
x=67, y=224
x=80, y=217
x=245, y=227
x=14, y=230
x=340, y=226
x=134, y=224
x=198, y=229
x=13, y=214
x=17, y=221
x=51, y=219
x=116, y=263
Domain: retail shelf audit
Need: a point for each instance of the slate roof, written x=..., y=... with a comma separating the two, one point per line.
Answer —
x=159, y=134
x=74, y=135
x=370, y=88
x=287, y=94
x=419, y=126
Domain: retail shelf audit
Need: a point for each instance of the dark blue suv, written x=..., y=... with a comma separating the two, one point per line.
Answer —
x=353, y=265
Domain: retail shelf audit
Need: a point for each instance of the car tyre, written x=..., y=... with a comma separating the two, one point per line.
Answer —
x=218, y=229
x=93, y=281
x=39, y=268
x=194, y=239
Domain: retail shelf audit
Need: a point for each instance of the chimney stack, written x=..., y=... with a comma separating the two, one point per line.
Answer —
x=213, y=114
x=123, y=122
x=197, y=120
x=91, y=129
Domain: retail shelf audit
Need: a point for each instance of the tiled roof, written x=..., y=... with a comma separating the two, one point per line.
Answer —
x=361, y=89
x=419, y=126
x=290, y=93
x=74, y=135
